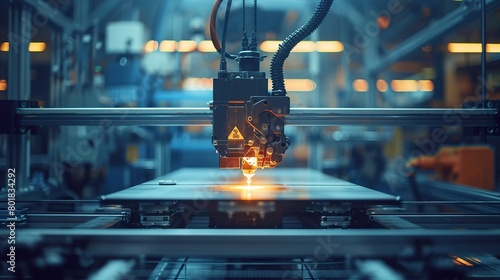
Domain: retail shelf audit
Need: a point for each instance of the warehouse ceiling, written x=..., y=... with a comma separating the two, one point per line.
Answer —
x=277, y=19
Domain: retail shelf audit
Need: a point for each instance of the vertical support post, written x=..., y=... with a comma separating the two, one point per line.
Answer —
x=483, y=53
x=371, y=54
x=18, y=146
x=162, y=157
x=483, y=60
x=57, y=80
x=315, y=159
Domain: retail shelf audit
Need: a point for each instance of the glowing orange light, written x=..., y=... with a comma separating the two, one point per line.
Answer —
x=382, y=86
x=4, y=47
x=461, y=261
x=270, y=46
x=472, y=48
x=383, y=22
x=206, y=46
x=3, y=85
x=37, y=46
x=426, y=85
x=360, y=85
x=493, y=48
x=250, y=188
x=168, y=46
x=151, y=46
x=305, y=46
x=412, y=85
x=186, y=46
x=33, y=47
x=329, y=46
x=404, y=85
x=298, y=85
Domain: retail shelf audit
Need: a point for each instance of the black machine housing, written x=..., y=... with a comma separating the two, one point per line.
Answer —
x=248, y=122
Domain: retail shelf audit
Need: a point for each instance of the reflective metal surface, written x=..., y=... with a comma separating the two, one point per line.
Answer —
x=271, y=243
x=106, y=117
x=279, y=184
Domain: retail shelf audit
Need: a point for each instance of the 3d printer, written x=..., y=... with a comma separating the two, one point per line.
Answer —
x=248, y=121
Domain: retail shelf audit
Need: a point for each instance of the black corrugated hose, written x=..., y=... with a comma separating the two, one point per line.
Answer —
x=291, y=41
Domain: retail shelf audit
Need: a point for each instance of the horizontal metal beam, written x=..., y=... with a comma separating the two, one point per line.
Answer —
x=391, y=117
x=297, y=117
x=116, y=116
x=100, y=13
x=54, y=15
x=435, y=31
x=439, y=190
x=319, y=244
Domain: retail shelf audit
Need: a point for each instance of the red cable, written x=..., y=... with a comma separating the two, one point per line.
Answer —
x=213, y=26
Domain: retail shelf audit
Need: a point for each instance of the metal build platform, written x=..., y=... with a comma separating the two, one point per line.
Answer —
x=277, y=198
x=281, y=184
x=296, y=224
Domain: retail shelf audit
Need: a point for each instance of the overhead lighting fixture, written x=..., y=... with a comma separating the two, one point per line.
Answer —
x=412, y=85
x=472, y=48
x=37, y=47
x=382, y=86
x=292, y=85
x=493, y=48
x=271, y=46
x=206, y=46
x=4, y=47
x=298, y=85
x=168, y=46
x=404, y=85
x=33, y=47
x=360, y=85
x=426, y=85
x=186, y=46
x=3, y=85
x=151, y=46
x=329, y=46
x=305, y=46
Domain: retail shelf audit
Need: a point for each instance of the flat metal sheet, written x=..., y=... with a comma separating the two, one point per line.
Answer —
x=213, y=176
x=269, y=185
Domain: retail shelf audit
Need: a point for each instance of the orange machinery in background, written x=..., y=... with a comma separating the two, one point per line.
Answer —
x=471, y=165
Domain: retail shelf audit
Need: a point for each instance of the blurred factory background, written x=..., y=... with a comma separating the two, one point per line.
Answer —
x=386, y=54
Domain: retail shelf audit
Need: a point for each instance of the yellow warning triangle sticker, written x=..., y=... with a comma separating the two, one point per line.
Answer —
x=235, y=134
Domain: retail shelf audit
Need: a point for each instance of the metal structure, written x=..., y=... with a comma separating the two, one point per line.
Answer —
x=297, y=117
x=209, y=224
x=291, y=222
